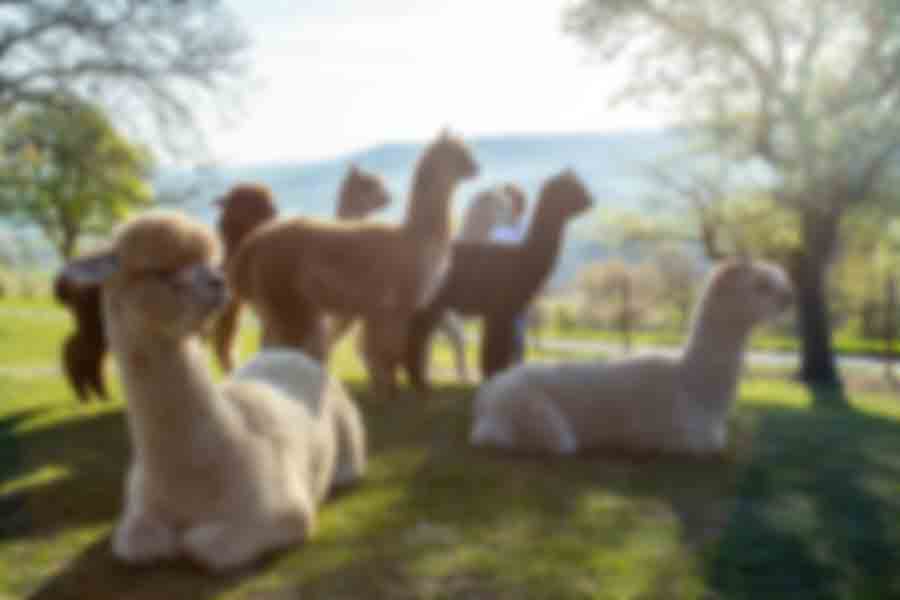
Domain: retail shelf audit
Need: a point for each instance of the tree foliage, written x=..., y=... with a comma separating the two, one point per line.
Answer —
x=808, y=86
x=164, y=58
x=68, y=170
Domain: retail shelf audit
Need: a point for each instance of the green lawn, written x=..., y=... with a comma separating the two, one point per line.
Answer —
x=805, y=505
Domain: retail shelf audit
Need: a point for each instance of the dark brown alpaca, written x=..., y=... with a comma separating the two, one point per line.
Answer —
x=293, y=271
x=84, y=350
x=248, y=206
x=244, y=208
x=497, y=281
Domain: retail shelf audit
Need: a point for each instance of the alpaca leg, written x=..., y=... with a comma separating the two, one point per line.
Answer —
x=142, y=537
x=72, y=367
x=551, y=429
x=380, y=375
x=536, y=424
x=492, y=430
x=222, y=545
x=351, y=443
x=417, y=349
x=383, y=340
x=96, y=380
x=225, y=333
x=452, y=326
x=497, y=345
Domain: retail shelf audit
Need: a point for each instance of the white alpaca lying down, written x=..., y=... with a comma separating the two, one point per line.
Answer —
x=220, y=473
x=646, y=403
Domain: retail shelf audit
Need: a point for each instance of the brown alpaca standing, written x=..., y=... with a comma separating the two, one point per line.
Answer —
x=497, y=281
x=248, y=206
x=293, y=271
x=84, y=350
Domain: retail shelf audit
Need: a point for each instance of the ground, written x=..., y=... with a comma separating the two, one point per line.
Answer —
x=806, y=503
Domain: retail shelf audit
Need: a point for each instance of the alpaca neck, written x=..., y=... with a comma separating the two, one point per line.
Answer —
x=713, y=357
x=171, y=399
x=427, y=214
x=544, y=238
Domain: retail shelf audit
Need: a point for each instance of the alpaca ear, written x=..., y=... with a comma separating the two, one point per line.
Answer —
x=354, y=169
x=91, y=270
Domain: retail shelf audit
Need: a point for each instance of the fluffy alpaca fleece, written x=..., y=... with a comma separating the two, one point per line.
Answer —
x=84, y=350
x=294, y=270
x=220, y=473
x=644, y=404
x=497, y=281
x=489, y=208
x=248, y=206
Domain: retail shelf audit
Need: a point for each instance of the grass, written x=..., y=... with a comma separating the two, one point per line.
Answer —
x=805, y=505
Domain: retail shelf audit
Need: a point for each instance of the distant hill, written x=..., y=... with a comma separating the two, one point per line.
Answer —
x=609, y=163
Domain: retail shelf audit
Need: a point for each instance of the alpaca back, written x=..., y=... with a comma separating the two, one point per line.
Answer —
x=311, y=412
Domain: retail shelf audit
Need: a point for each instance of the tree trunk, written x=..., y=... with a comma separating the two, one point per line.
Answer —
x=810, y=275
x=67, y=248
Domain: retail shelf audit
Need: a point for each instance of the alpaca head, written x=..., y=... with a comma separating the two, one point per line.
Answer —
x=517, y=201
x=361, y=194
x=451, y=153
x=491, y=205
x=244, y=207
x=563, y=197
x=158, y=278
x=745, y=292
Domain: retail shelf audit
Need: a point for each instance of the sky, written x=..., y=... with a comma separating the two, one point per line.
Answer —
x=333, y=76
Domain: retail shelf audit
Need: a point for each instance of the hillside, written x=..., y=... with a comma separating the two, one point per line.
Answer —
x=610, y=164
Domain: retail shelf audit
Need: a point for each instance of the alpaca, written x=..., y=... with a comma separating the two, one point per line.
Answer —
x=643, y=404
x=248, y=206
x=84, y=350
x=488, y=209
x=497, y=281
x=220, y=473
x=292, y=271
x=245, y=207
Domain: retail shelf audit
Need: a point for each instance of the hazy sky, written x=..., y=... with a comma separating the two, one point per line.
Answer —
x=338, y=75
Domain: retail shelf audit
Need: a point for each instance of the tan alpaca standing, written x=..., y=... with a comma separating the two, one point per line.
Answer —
x=645, y=403
x=248, y=206
x=294, y=270
x=219, y=473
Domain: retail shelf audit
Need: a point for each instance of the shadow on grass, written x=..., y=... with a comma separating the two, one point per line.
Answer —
x=818, y=510
x=466, y=522
x=97, y=574
x=815, y=514
x=87, y=456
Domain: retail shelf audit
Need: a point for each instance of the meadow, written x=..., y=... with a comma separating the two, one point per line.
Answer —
x=805, y=504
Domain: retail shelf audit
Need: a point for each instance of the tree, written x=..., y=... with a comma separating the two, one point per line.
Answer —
x=679, y=273
x=68, y=171
x=624, y=293
x=163, y=58
x=808, y=86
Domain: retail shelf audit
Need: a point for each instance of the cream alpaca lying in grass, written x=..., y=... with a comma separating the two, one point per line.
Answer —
x=220, y=473
x=645, y=403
